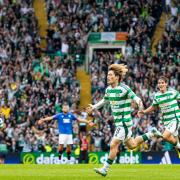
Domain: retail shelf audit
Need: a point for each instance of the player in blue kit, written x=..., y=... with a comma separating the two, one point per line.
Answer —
x=65, y=126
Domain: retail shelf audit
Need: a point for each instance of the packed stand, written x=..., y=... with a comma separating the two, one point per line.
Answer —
x=31, y=86
x=71, y=22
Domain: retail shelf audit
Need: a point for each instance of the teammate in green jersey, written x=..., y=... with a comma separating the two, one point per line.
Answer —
x=166, y=100
x=120, y=97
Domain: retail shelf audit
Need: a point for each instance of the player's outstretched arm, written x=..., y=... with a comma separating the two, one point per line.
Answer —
x=45, y=119
x=89, y=108
x=98, y=105
x=90, y=123
x=36, y=131
x=141, y=113
x=139, y=103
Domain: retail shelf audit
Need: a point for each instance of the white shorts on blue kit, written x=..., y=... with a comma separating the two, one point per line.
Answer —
x=65, y=139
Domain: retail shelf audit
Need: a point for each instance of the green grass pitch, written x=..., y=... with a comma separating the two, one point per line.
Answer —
x=85, y=172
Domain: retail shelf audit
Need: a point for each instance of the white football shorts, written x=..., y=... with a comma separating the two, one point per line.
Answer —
x=65, y=139
x=173, y=127
x=123, y=133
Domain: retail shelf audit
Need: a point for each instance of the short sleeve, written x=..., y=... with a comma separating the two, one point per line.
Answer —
x=55, y=117
x=177, y=95
x=73, y=117
x=130, y=93
x=154, y=103
x=106, y=95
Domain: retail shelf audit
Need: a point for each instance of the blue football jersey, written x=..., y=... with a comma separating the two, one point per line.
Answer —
x=65, y=122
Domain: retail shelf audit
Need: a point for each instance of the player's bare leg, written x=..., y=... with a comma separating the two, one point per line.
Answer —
x=169, y=137
x=61, y=150
x=114, y=148
x=135, y=142
x=173, y=140
x=112, y=155
x=68, y=151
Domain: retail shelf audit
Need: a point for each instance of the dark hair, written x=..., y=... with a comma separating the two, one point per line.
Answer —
x=163, y=78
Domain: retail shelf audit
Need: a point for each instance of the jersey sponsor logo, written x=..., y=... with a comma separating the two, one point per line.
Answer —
x=115, y=106
x=120, y=94
x=66, y=120
x=114, y=103
x=164, y=106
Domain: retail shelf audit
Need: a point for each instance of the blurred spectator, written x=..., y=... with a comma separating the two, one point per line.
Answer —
x=83, y=150
x=71, y=21
x=31, y=85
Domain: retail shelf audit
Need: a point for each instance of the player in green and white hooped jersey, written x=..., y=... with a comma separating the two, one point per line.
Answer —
x=166, y=100
x=120, y=97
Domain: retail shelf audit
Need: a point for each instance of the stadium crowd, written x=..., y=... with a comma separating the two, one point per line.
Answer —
x=71, y=22
x=33, y=85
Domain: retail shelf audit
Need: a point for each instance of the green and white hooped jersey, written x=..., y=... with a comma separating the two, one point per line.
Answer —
x=168, y=104
x=120, y=99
